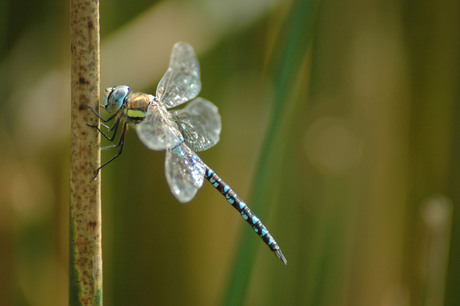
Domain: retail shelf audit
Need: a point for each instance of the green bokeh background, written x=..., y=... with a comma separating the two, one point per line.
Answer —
x=340, y=130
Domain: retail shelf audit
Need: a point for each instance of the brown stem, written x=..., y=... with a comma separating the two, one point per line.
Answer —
x=85, y=271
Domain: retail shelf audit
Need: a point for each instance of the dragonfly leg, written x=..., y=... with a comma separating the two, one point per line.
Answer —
x=121, y=144
x=114, y=127
x=109, y=128
x=98, y=115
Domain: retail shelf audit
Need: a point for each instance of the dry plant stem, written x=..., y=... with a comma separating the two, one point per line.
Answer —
x=85, y=271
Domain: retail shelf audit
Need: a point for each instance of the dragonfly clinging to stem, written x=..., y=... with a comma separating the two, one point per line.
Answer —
x=180, y=133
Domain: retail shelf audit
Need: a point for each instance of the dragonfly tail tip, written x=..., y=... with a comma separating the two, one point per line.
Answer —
x=280, y=255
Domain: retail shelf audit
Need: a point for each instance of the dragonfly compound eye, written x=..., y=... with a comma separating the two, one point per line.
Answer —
x=114, y=97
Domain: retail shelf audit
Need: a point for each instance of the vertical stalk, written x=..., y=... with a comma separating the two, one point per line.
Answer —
x=294, y=44
x=433, y=261
x=85, y=253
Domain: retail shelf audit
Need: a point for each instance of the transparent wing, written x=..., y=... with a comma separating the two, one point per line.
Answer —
x=181, y=82
x=199, y=123
x=184, y=172
x=154, y=131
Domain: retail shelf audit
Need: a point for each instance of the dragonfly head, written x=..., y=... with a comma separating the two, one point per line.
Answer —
x=114, y=97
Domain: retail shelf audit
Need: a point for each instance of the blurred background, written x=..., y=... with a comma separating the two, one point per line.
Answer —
x=340, y=130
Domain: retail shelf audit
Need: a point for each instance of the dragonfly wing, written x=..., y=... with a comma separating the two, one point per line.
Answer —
x=153, y=131
x=181, y=81
x=199, y=123
x=184, y=172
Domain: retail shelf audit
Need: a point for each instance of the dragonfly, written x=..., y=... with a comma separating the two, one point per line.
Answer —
x=179, y=132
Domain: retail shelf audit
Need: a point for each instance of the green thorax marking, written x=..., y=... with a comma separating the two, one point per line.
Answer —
x=136, y=108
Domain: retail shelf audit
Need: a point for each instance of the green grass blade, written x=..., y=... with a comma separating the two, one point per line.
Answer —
x=292, y=49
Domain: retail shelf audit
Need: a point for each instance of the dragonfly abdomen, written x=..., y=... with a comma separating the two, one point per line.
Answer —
x=245, y=212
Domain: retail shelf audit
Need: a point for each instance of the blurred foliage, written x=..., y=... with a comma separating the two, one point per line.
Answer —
x=353, y=166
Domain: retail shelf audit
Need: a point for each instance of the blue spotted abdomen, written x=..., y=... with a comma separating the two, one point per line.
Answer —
x=245, y=212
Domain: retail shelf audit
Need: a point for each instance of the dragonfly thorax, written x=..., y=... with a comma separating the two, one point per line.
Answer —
x=136, y=106
x=131, y=105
